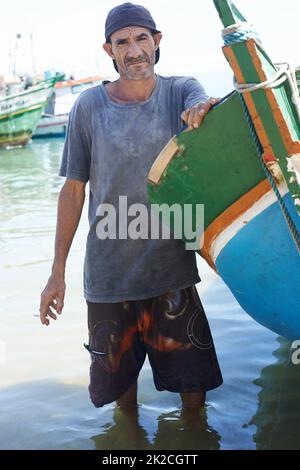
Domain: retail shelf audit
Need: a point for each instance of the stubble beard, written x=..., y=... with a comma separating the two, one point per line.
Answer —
x=143, y=74
x=132, y=72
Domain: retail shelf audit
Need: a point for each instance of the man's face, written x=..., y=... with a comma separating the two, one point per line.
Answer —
x=133, y=49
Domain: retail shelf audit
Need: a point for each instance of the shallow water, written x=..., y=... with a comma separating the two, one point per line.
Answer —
x=44, y=401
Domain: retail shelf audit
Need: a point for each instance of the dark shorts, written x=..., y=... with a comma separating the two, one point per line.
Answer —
x=172, y=329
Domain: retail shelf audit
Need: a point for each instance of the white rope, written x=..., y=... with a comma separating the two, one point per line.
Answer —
x=243, y=25
x=278, y=78
x=291, y=76
x=240, y=32
x=284, y=73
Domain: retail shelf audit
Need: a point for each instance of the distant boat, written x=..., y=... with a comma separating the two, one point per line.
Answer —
x=243, y=165
x=54, y=121
x=20, y=113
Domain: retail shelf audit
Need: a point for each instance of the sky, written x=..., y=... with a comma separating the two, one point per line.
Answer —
x=68, y=36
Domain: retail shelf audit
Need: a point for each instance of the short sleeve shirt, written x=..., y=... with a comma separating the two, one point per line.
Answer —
x=113, y=146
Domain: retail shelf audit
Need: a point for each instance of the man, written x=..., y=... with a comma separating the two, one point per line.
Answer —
x=140, y=293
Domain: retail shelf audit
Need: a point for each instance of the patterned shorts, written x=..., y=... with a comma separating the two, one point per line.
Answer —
x=172, y=329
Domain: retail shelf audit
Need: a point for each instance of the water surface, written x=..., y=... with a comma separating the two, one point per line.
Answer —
x=44, y=376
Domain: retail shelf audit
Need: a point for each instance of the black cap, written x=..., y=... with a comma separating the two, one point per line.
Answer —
x=126, y=15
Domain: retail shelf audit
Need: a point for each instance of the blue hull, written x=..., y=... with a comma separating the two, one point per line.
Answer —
x=261, y=266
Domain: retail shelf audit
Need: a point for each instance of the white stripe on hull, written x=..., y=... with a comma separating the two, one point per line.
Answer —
x=52, y=125
x=258, y=207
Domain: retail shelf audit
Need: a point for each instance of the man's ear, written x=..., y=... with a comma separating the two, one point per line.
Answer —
x=108, y=49
x=157, y=38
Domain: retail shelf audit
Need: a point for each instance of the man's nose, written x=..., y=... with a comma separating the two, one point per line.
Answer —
x=134, y=50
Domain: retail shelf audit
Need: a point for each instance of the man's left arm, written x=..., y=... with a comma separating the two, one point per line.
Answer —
x=196, y=103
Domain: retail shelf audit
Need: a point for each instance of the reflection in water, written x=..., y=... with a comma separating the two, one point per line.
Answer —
x=124, y=434
x=29, y=187
x=278, y=413
x=184, y=429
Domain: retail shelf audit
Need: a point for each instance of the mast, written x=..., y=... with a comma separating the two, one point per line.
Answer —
x=18, y=37
x=228, y=12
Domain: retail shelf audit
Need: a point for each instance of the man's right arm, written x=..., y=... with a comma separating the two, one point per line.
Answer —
x=70, y=204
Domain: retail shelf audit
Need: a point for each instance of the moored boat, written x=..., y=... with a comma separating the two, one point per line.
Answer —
x=243, y=165
x=21, y=112
x=54, y=121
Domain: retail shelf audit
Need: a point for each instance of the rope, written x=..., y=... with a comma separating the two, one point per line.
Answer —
x=293, y=229
x=278, y=78
x=285, y=72
x=292, y=79
x=240, y=32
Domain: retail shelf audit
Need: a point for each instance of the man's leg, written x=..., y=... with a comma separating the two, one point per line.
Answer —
x=129, y=399
x=193, y=399
x=180, y=346
x=117, y=353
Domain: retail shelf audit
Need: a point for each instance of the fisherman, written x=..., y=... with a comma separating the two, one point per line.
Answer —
x=140, y=292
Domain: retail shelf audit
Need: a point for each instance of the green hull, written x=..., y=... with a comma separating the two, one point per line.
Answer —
x=18, y=129
x=216, y=163
x=20, y=114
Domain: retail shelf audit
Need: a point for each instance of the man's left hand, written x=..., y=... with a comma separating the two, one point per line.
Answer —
x=194, y=116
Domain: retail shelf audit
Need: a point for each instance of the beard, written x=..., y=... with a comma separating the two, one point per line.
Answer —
x=140, y=68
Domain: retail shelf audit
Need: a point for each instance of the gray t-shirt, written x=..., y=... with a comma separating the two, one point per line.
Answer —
x=113, y=146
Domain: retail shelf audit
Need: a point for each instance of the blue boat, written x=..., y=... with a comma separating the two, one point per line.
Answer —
x=243, y=164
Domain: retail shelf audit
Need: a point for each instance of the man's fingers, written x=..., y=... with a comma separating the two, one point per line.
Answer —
x=51, y=314
x=212, y=101
x=44, y=316
x=194, y=116
x=190, y=117
x=203, y=110
x=52, y=299
x=185, y=114
x=45, y=310
x=44, y=319
x=57, y=304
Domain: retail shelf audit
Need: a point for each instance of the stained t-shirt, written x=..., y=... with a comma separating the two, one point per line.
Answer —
x=113, y=146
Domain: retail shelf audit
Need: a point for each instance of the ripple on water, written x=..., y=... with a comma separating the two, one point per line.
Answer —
x=256, y=407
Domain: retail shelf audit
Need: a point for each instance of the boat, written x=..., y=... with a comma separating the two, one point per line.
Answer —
x=54, y=121
x=243, y=164
x=20, y=111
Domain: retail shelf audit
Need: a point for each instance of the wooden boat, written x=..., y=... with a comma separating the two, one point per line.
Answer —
x=21, y=112
x=54, y=121
x=243, y=164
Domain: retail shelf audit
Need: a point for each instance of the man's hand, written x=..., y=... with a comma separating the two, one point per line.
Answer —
x=194, y=116
x=52, y=298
